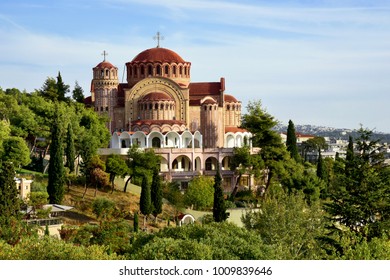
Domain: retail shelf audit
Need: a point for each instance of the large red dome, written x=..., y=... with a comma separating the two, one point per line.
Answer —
x=158, y=55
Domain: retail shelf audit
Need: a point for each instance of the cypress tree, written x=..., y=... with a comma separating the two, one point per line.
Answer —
x=291, y=141
x=156, y=193
x=9, y=201
x=135, y=225
x=55, y=187
x=145, y=202
x=219, y=207
x=70, y=149
x=320, y=166
x=350, y=156
x=62, y=89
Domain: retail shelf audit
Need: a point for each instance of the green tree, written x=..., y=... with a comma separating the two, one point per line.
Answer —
x=9, y=201
x=4, y=132
x=156, y=194
x=56, y=178
x=360, y=198
x=116, y=166
x=48, y=248
x=273, y=153
x=136, y=222
x=62, y=89
x=103, y=207
x=289, y=223
x=78, y=93
x=16, y=151
x=199, y=193
x=145, y=202
x=350, y=156
x=321, y=171
x=244, y=163
x=219, y=206
x=70, y=152
x=291, y=141
x=49, y=89
x=141, y=163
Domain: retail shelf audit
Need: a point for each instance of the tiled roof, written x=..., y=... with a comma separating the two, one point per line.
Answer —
x=88, y=100
x=229, y=98
x=202, y=89
x=105, y=64
x=157, y=55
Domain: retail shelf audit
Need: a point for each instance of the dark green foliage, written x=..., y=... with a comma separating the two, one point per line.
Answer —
x=55, y=187
x=145, y=203
x=214, y=241
x=349, y=159
x=103, y=207
x=156, y=194
x=141, y=163
x=9, y=201
x=199, y=193
x=48, y=248
x=16, y=151
x=219, y=207
x=70, y=149
x=136, y=222
x=62, y=89
x=78, y=93
x=273, y=153
x=361, y=196
x=289, y=223
x=291, y=141
x=321, y=172
x=116, y=166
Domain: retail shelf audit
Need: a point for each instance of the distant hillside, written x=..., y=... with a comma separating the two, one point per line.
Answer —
x=336, y=133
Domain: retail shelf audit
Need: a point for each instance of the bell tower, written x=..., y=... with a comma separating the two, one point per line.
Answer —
x=104, y=89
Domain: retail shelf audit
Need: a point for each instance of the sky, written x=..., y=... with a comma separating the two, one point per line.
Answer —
x=318, y=62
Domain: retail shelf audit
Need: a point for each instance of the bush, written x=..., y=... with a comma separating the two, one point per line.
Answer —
x=103, y=207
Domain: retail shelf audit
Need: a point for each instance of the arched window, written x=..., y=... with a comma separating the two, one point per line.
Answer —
x=158, y=70
x=156, y=142
x=150, y=70
x=228, y=107
x=175, y=164
x=166, y=70
x=135, y=71
x=142, y=70
x=180, y=70
x=209, y=164
x=156, y=106
x=174, y=70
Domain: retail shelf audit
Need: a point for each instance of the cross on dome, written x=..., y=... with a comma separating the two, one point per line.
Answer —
x=158, y=37
x=104, y=54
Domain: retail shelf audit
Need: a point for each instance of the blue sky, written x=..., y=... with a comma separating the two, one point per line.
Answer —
x=314, y=62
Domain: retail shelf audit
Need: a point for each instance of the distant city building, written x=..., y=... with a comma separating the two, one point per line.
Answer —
x=192, y=126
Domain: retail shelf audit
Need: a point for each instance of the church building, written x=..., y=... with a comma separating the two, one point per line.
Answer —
x=193, y=126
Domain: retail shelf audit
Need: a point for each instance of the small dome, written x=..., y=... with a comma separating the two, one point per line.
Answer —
x=229, y=98
x=105, y=64
x=157, y=96
x=158, y=55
